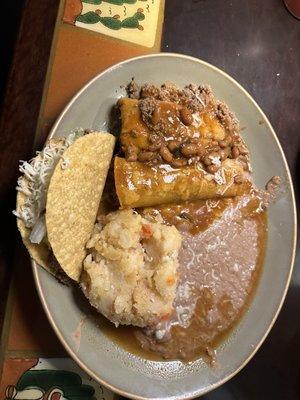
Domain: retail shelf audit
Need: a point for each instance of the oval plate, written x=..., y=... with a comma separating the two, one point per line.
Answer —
x=112, y=366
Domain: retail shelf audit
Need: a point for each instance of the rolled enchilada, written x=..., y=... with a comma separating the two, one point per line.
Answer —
x=179, y=145
x=141, y=185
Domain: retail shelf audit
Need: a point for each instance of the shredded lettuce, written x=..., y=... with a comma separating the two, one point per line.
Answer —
x=37, y=173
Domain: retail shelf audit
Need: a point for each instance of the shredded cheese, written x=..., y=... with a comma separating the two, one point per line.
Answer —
x=65, y=163
x=219, y=177
x=37, y=173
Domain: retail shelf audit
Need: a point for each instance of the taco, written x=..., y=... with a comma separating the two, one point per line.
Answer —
x=58, y=198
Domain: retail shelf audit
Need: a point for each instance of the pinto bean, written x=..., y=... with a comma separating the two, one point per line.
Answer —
x=212, y=169
x=193, y=160
x=214, y=154
x=224, y=153
x=173, y=145
x=243, y=150
x=155, y=141
x=166, y=154
x=216, y=148
x=225, y=142
x=276, y=180
x=155, y=116
x=235, y=152
x=145, y=156
x=244, y=160
x=190, y=149
x=154, y=146
x=201, y=151
x=131, y=157
x=131, y=153
x=178, y=162
x=154, y=138
x=186, y=116
x=239, y=179
x=207, y=161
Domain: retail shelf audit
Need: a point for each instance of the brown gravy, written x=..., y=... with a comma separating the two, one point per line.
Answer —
x=220, y=260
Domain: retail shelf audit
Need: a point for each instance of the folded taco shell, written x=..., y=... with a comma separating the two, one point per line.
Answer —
x=73, y=198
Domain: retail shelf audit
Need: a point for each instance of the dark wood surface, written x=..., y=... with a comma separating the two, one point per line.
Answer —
x=19, y=120
x=8, y=30
x=258, y=43
x=255, y=41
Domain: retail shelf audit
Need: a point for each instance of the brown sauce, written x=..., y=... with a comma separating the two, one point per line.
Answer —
x=180, y=127
x=220, y=261
x=223, y=239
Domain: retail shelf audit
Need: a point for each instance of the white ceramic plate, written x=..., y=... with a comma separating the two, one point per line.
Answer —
x=109, y=364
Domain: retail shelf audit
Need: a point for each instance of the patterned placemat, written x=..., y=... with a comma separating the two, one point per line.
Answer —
x=258, y=44
x=89, y=36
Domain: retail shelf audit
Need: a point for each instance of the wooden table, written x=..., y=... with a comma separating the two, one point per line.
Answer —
x=257, y=42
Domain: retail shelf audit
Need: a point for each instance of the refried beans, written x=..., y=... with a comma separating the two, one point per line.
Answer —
x=220, y=261
x=224, y=239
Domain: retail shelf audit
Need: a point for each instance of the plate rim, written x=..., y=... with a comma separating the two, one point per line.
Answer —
x=35, y=266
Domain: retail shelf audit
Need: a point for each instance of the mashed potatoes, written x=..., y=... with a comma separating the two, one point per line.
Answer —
x=130, y=273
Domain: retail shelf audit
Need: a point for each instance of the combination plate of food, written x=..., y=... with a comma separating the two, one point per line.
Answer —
x=164, y=217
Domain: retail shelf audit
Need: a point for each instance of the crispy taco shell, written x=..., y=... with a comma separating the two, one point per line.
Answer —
x=73, y=198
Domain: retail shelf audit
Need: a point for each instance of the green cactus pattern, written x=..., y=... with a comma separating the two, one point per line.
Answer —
x=112, y=22
x=115, y=2
x=69, y=382
x=96, y=2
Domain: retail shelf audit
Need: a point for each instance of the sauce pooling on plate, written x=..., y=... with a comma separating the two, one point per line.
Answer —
x=183, y=162
x=220, y=261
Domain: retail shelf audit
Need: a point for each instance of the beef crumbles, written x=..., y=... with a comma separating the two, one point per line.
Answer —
x=133, y=90
x=226, y=117
x=192, y=96
x=185, y=127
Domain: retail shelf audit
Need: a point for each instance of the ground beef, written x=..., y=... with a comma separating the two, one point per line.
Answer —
x=226, y=117
x=147, y=107
x=192, y=96
x=133, y=90
x=150, y=91
x=173, y=136
x=196, y=97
